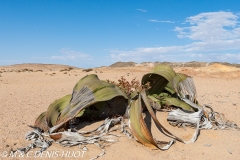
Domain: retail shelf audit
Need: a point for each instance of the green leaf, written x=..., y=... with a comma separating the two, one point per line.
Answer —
x=138, y=126
x=55, y=109
x=88, y=91
x=41, y=122
x=159, y=78
x=163, y=129
x=164, y=86
x=176, y=102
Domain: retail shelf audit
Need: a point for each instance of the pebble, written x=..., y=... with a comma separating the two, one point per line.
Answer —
x=207, y=145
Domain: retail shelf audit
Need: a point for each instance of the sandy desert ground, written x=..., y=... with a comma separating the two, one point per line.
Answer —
x=27, y=90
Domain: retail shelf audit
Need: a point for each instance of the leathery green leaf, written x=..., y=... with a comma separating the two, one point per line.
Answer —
x=163, y=79
x=55, y=109
x=41, y=121
x=173, y=87
x=159, y=78
x=139, y=128
x=176, y=102
x=180, y=77
x=138, y=125
x=98, y=90
x=88, y=91
x=49, y=118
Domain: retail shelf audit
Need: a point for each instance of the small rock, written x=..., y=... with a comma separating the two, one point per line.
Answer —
x=229, y=151
x=85, y=148
x=207, y=145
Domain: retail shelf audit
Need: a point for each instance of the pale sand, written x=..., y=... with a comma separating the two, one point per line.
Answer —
x=25, y=95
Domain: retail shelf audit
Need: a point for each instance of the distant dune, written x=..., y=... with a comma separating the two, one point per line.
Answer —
x=196, y=69
x=173, y=64
x=35, y=67
x=55, y=67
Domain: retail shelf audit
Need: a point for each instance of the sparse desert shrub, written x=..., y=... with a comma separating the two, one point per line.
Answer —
x=24, y=70
x=126, y=86
x=67, y=69
x=27, y=70
x=39, y=70
x=88, y=70
x=70, y=68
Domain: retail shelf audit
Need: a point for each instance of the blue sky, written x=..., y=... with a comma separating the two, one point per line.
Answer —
x=94, y=33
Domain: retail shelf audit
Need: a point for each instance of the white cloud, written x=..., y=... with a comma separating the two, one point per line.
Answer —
x=215, y=36
x=142, y=10
x=143, y=54
x=217, y=45
x=153, y=20
x=229, y=57
x=157, y=21
x=211, y=26
x=174, y=56
x=160, y=49
x=68, y=54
